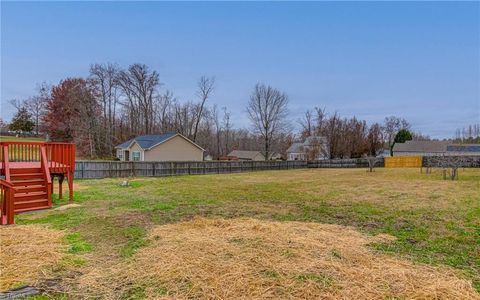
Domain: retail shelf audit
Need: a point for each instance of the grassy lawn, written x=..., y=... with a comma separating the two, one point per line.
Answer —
x=5, y=138
x=436, y=222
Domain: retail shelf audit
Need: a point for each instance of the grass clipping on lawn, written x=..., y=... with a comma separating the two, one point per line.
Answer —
x=246, y=258
x=26, y=251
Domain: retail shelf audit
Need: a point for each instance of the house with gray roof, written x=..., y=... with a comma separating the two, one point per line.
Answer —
x=247, y=155
x=253, y=155
x=159, y=147
x=313, y=148
x=434, y=148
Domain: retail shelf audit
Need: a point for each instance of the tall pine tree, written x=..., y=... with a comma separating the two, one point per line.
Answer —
x=22, y=121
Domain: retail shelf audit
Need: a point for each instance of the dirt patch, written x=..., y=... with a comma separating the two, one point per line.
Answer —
x=67, y=206
x=26, y=251
x=246, y=258
x=77, y=186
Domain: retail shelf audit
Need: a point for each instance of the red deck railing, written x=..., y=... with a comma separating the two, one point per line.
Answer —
x=6, y=202
x=61, y=156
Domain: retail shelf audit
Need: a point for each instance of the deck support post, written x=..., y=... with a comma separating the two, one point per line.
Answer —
x=70, y=186
x=60, y=188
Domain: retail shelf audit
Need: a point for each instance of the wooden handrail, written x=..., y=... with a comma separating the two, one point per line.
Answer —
x=6, y=164
x=6, y=183
x=46, y=173
x=44, y=165
x=7, y=207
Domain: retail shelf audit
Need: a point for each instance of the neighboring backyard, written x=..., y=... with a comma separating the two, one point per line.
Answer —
x=261, y=235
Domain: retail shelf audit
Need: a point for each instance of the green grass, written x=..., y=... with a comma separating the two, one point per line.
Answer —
x=76, y=244
x=435, y=221
x=6, y=138
x=136, y=239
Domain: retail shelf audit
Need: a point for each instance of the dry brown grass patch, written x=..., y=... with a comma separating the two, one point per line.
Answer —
x=26, y=251
x=246, y=258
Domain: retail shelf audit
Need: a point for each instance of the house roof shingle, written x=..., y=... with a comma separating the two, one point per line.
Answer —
x=309, y=141
x=245, y=154
x=421, y=146
x=474, y=148
x=295, y=148
x=147, y=141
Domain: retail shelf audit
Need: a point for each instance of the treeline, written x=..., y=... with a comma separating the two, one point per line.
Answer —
x=351, y=137
x=114, y=104
x=469, y=134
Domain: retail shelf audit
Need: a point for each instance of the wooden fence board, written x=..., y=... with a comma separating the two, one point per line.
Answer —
x=403, y=162
x=103, y=169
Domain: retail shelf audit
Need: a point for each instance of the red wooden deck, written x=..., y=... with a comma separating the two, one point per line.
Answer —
x=27, y=169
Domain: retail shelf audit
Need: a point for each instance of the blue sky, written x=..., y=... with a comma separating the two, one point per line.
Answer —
x=418, y=60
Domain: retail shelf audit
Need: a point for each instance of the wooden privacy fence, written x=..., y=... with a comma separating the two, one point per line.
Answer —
x=90, y=169
x=103, y=169
x=459, y=161
x=344, y=163
x=403, y=162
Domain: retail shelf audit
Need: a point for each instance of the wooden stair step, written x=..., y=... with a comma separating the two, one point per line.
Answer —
x=19, y=197
x=25, y=170
x=40, y=200
x=26, y=182
x=31, y=188
x=26, y=176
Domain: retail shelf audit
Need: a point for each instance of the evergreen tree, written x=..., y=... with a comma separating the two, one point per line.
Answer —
x=22, y=121
x=402, y=136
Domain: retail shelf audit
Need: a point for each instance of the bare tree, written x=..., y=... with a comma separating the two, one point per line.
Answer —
x=227, y=129
x=205, y=89
x=306, y=122
x=103, y=77
x=139, y=85
x=218, y=130
x=17, y=104
x=267, y=109
x=469, y=134
x=164, y=111
x=36, y=107
x=372, y=161
x=315, y=148
x=332, y=130
x=320, y=119
x=392, y=125
x=450, y=164
x=375, y=139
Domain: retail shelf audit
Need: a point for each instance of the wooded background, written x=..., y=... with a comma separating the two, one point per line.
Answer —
x=114, y=104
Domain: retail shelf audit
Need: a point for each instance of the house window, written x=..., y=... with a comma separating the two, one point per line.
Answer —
x=136, y=155
x=120, y=154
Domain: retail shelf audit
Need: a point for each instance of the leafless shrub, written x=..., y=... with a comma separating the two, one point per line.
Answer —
x=449, y=165
x=372, y=161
